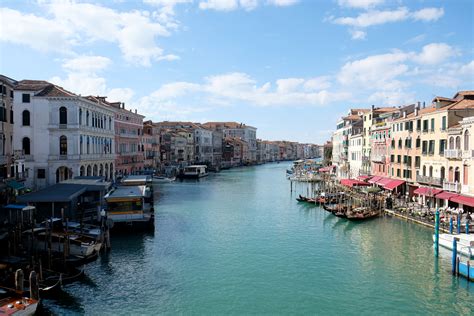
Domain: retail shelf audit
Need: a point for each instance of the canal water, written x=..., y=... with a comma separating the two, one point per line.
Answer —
x=238, y=243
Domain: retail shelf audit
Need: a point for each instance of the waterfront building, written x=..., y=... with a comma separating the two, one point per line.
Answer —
x=370, y=119
x=12, y=168
x=355, y=153
x=129, y=148
x=233, y=129
x=61, y=134
x=151, y=146
x=340, y=141
x=217, y=140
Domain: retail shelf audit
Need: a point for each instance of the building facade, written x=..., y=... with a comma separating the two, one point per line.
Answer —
x=80, y=134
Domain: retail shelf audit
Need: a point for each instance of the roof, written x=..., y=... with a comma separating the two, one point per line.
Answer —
x=55, y=91
x=386, y=109
x=232, y=125
x=91, y=184
x=393, y=184
x=464, y=93
x=32, y=85
x=352, y=117
x=126, y=192
x=142, y=179
x=427, y=191
x=445, y=195
x=464, y=200
x=60, y=192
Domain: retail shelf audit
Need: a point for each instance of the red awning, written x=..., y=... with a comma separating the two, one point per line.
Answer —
x=327, y=169
x=353, y=183
x=383, y=181
x=446, y=195
x=393, y=184
x=374, y=179
x=464, y=200
x=427, y=191
x=364, y=178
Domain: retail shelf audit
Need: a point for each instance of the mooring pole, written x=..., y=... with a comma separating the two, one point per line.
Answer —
x=455, y=255
x=451, y=225
x=459, y=223
x=436, y=245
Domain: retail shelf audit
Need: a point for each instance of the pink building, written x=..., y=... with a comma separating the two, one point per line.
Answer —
x=380, y=145
x=129, y=148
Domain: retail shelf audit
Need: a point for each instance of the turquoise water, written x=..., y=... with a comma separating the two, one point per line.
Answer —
x=237, y=242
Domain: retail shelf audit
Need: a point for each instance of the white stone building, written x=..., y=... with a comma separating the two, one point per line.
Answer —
x=355, y=155
x=62, y=135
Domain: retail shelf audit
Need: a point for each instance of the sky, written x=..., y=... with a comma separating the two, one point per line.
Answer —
x=291, y=68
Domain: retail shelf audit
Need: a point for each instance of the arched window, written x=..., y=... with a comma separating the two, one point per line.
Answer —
x=443, y=173
x=26, y=146
x=400, y=143
x=80, y=116
x=25, y=118
x=87, y=118
x=393, y=143
x=451, y=174
x=63, y=115
x=466, y=140
x=424, y=170
x=431, y=171
x=63, y=145
x=451, y=143
x=458, y=142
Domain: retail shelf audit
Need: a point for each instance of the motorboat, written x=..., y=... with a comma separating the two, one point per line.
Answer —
x=194, y=172
x=163, y=179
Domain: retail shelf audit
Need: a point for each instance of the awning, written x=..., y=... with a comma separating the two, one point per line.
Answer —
x=374, y=179
x=383, y=181
x=446, y=195
x=364, y=178
x=15, y=185
x=327, y=169
x=353, y=182
x=427, y=191
x=393, y=184
x=464, y=200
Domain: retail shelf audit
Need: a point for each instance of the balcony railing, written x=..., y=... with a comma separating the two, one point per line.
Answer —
x=467, y=154
x=452, y=153
x=429, y=180
x=452, y=186
x=378, y=158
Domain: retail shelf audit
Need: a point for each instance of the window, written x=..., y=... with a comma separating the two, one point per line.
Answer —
x=443, y=123
x=25, y=98
x=399, y=159
x=63, y=145
x=418, y=125
x=425, y=125
x=465, y=175
x=26, y=146
x=80, y=116
x=451, y=143
x=400, y=143
x=466, y=140
x=431, y=171
x=424, y=171
x=417, y=162
x=432, y=124
x=442, y=173
x=25, y=118
x=62, y=115
x=398, y=173
x=41, y=174
x=392, y=158
x=431, y=147
x=442, y=146
x=458, y=142
x=87, y=118
x=393, y=143
x=424, y=149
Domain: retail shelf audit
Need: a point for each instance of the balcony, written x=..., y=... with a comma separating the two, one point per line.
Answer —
x=452, y=186
x=467, y=154
x=429, y=180
x=452, y=153
x=378, y=158
x=466, y=189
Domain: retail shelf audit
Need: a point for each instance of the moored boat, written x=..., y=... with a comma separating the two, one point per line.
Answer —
x=465, y=243
x=14, y=303
x=361, y=213
x=163, y=179
x=194, y=172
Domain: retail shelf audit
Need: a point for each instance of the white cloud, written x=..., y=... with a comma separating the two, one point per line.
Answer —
x=434, y=53
x=282, y=3
x=428, y=14
x=229, y=5
x=37, y=32
x=72, y=24
x=87, y=64
x=360, y=4
x=358, y=34
x=317, y=83
x=120, y=95
x=219, y=5
x=376, y=17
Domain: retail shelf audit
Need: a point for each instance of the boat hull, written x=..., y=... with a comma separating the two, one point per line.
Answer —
x=465, y=244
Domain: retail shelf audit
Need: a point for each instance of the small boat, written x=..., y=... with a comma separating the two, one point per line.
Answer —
x=81, y=246
x=465, y=243
x=301, y=198
x=337, y=210
x=14, y=303
x=163, y=179
x=361, y=213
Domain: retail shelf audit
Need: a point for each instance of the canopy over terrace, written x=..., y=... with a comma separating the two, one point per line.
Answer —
x=430, y=192
x=58, y=196
x=374, y=179
x=364, y=178
x=464, y=200
x=392, y=184
x=353, y=183
x=327, y=169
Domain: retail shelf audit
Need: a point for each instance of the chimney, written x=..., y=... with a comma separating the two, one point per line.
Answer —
x=135, y=111
x=373, y=107
x=416, y=111
x=404, y=114
x=423, y=104
x=418, y=104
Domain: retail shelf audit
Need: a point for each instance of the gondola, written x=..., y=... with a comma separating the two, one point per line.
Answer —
x=362, y=213
x=301, y=198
